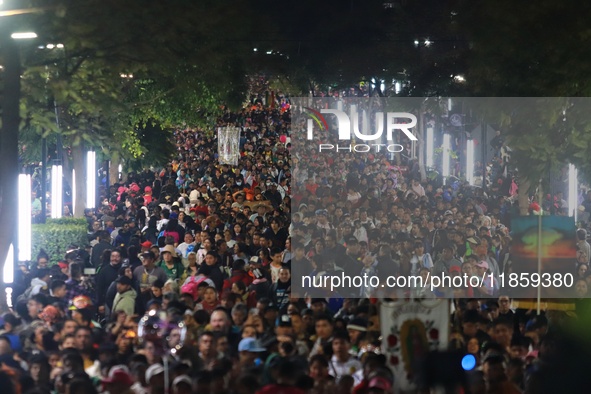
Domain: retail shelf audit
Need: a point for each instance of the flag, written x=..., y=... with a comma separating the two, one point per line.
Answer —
x=410, y=330
x=229, y=145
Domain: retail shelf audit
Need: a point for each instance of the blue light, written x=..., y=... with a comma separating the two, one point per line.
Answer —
x=468, y=362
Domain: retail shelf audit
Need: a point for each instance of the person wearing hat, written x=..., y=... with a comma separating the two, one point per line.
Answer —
x=146, y=245
x=356, y=328
x=489, y=284
x=182, y=384
x=260, y=210
x=125, y=298
x=118, y=381
x=155, y=378
x=173, y=268
x=248, y=350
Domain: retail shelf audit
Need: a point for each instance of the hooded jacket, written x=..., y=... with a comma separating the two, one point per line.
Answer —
x=125, y=302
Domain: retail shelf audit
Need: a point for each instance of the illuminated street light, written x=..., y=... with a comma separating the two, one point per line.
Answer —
x=91, y=179
x=56, y=191
x=24, y=217
x=572, y=190
x=446, y=155
x=470, y=162
x=430, y=146
x=73, y=190
x=8, y=271
x=428, y=42
x=23, y=35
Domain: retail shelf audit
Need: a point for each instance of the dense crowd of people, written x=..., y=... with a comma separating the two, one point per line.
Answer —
x=192, y=289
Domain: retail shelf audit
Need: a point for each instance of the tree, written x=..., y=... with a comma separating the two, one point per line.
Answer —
x=157, y=66
x=514, y=52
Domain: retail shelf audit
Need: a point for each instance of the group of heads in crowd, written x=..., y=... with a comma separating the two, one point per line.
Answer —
x=205, y=252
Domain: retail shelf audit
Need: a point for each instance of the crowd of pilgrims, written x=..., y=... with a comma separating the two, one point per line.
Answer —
x=205, y=251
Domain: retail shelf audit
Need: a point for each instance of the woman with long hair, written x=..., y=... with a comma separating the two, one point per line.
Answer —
x=150, y=232
x=259, y=223
x=241, y=252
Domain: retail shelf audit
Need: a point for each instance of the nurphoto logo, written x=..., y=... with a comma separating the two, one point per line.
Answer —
x=348, y=127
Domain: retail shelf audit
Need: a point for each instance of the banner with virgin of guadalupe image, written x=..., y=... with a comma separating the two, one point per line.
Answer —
x=410, y=330
x=228, y=145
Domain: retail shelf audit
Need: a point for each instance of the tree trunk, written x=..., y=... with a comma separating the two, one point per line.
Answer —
x=79, y=164
x=9, y=102
x=523, y=196
x=114, y=169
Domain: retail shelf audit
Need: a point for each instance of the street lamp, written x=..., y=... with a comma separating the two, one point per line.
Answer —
x=430, y=146
x=56, y=191
x=23, y=35
x=446, y=156
x=24, y=217
x=470, y=161
x=73, y=190
x=91, y=179
x=8, y=271
x=572, y=190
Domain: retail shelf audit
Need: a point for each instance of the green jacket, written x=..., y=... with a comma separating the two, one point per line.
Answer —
x=125, y=302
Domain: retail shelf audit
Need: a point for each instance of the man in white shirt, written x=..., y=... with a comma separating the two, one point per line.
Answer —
x=342, y=362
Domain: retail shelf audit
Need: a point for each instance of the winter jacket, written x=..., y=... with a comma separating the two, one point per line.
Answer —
x=125, y=302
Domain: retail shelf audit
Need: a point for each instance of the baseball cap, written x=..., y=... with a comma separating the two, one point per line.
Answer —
x=153, y=370
x=119, y=374
x=255, y=260
x=146, y=244
x=482, y=264
x=379, y=382
x=182, y=379
x=448, y=212
x=455, y=268
x=357, y=324
x=149, y=254
x=250, y=345
x=124, y=280
x=62, y=265
x=474, y=240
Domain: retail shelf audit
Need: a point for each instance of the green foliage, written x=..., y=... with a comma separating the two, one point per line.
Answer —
x=165, y=63
x=56, y=235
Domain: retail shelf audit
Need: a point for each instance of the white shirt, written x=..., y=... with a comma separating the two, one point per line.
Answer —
x=184, y=247
x=349, y=367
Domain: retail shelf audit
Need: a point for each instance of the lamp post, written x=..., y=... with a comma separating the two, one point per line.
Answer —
x=91, y=179
x=429, y=146
x=572, y=191
x=470, y=161
x=9, y=102
x=445, y=167
x=24, y=217
x=56, y=190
